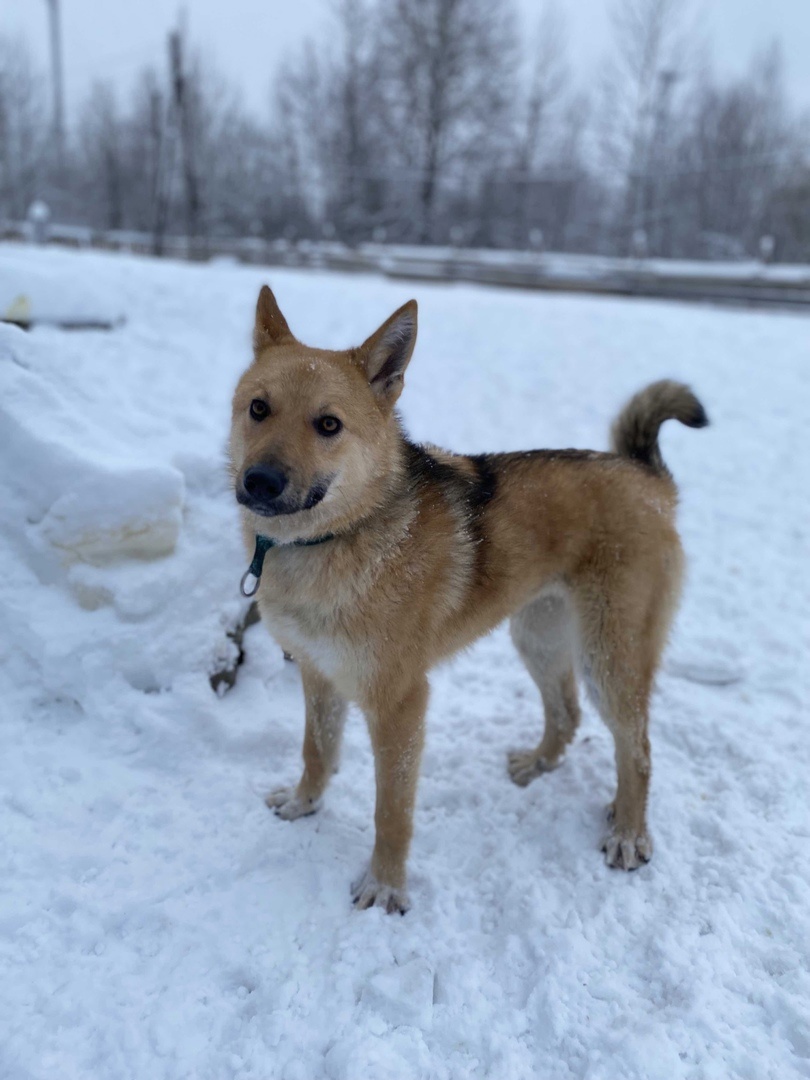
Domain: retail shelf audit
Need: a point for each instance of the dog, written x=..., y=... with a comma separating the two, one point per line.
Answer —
x=384, y=558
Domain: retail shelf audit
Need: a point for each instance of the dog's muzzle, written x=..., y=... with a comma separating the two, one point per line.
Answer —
x=263, y=486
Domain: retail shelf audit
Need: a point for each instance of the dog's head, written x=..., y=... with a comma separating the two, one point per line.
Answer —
x=313, y=431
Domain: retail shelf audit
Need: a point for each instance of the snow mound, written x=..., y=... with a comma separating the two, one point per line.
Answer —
x=87, y=509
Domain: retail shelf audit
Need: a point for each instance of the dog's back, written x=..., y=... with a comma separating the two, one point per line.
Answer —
x=522, y=521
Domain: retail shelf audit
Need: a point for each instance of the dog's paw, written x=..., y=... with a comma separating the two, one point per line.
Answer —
x=286, y=803
x=368, y=892
x=626, y=850
x=525, y=766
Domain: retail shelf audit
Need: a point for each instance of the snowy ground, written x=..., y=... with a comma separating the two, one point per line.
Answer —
x=156, y=921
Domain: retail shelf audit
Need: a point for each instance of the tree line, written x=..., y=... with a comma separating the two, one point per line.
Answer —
x=435, y=121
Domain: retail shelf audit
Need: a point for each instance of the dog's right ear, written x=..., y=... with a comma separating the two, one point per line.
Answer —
x=387, y=353
x=271, y=326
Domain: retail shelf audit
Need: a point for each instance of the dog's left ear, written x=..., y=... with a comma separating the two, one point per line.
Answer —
x=271, y=326
x=386, y=354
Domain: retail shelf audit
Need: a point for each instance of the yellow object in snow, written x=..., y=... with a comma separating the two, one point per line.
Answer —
x=19, y=310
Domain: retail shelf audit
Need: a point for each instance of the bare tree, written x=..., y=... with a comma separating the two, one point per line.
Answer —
x=331, y=118
x=654, y=47
x=450, y=73
x=358, y=145
x=232, y=156
x=152, y=156
x=539, y=175
x=24, y=138
x=303, y=116
x=790, y=213
x=739, y=148
x=548, y=87
x=102, y=135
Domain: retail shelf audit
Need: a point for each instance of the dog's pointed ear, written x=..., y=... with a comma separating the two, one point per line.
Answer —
x=271, y=326
x=386, y=354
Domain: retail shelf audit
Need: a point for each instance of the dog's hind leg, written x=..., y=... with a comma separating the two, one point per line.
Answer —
x=542, y=635
x=325, y=718
x=622, y=621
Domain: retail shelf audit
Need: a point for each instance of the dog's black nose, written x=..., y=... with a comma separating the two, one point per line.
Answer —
x=264, y=482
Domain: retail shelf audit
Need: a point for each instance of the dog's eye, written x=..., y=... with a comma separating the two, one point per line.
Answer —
x=259, y=409
x=328, y=425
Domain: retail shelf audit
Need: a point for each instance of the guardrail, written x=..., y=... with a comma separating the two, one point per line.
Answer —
x=744, y=283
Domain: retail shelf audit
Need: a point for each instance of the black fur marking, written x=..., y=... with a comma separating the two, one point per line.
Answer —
x=639, y=447
x=316, y=493
x=699, y=417
x=498, y=461
x=469, y=492
x=424, y=469
x=487, y=482
x=483, y=491
x=562, y=455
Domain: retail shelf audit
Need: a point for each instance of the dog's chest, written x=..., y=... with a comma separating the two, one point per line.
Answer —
x=323, y=637
x=329, y=612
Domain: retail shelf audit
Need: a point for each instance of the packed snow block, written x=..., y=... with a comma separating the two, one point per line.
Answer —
x=118, y=513
x=86, y=508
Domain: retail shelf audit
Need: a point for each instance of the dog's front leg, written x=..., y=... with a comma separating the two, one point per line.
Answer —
x=397, y=726
x=325, y=717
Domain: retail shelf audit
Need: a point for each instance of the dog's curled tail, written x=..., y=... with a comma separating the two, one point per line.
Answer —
x=635, y=430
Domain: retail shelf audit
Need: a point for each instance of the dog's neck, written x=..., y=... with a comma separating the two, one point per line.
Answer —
x=388, y=498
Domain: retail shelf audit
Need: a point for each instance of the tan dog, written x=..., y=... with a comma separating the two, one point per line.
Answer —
x=389, y=557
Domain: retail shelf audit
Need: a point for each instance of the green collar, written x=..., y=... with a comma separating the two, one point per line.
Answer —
x=263, y=545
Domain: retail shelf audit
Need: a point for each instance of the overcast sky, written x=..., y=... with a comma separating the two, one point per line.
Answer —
x=107, y=39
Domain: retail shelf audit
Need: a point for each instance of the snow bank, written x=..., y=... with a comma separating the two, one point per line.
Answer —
x=156, y=922
x=89, y=510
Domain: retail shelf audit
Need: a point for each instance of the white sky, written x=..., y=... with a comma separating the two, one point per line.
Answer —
x=113, y=39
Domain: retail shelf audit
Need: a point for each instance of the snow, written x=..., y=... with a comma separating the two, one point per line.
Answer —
x=156, y=921
x=88, y=508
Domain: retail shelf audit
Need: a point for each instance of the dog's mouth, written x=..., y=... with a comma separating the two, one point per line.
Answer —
x=283, y=505
x=316, y=493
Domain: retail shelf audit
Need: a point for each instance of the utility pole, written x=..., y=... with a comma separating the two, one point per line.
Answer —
x=57, y=80
x=162, y=150
x=184, y=111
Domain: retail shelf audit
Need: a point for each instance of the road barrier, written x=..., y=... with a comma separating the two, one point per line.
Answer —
x=749, y=283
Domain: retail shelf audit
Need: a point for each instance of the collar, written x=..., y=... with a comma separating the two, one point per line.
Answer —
x=263, y=545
